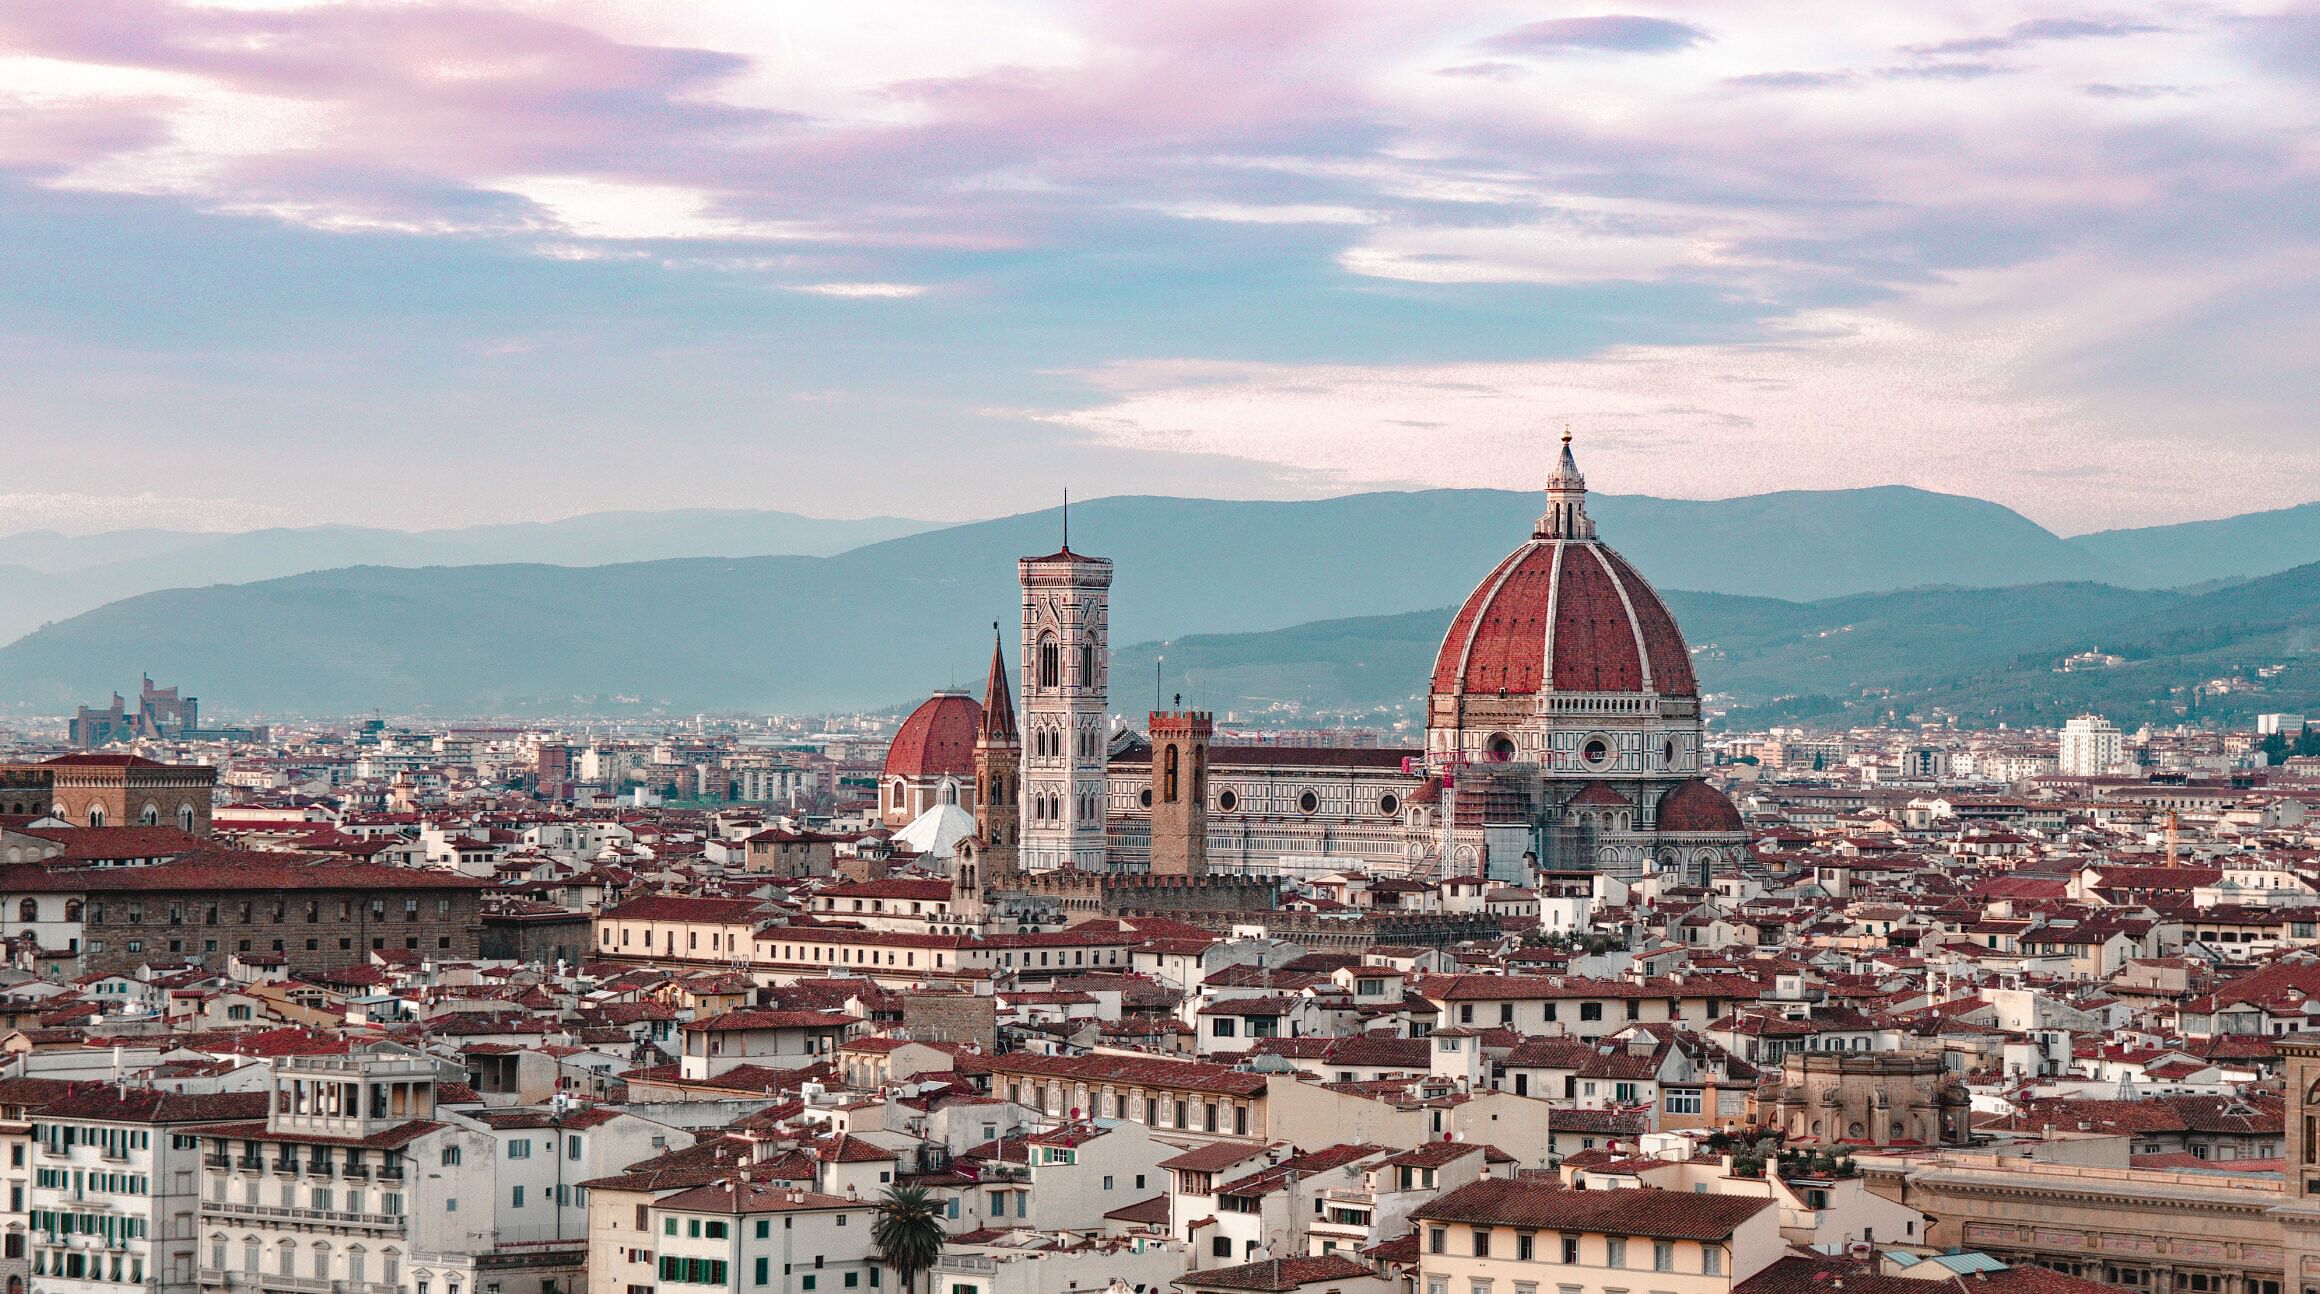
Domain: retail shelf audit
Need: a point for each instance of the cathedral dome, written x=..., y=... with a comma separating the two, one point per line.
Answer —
x=938, y=739
x=1698, y=807
x=1564, y=613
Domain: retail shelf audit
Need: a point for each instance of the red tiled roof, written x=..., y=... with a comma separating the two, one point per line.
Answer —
x=938, y=739
x=1661, y=1215
x=1563, y=616
x=1278, y=1275
x=1697, y=806
x=225, y=869
x=678, y=907
x=146, y=1105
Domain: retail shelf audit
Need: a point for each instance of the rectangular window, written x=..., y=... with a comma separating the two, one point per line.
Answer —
x=1570, y=1250
x=1711, y=1261
x=1522, y=1246
x=764, y=1268
x=1615, y=1252
x=1663, y=1256
x=516, y=1197
x=1437, y=1240
x=1482, y=1242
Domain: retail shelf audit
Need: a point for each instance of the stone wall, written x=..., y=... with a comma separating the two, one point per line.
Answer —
x=122, y=932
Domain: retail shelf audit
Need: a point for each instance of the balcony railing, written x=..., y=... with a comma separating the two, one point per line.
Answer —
x=298, y=1213
x=238, y=1278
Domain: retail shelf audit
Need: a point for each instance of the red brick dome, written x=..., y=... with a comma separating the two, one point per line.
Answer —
x=1564, y=615
x=938, y=739
x=1698, y=807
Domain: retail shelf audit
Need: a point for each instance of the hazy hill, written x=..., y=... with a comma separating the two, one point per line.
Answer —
x=1360, y=554
x=1332, y=603
x=2266, y=632
x=46, y=576
x=2259, y=543
x=893, y=618
x=1750, y=651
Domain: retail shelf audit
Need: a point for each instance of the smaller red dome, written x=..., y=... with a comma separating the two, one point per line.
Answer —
x=1599, y=795
x=1698, y=807
x=938, y=739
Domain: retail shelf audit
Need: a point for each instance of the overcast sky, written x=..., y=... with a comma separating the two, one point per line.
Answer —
x=418, y=264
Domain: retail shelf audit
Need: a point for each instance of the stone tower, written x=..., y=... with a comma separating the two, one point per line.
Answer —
x=989, y=859
x=2299, y=1209
x=1066, y=667
x=1180, y=792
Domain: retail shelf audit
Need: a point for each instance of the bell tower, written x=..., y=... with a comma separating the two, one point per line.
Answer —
x=988, y=860
x=1180, y=791
x=1066, y=704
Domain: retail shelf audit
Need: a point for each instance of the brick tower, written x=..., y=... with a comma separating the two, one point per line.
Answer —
x=1180, y=792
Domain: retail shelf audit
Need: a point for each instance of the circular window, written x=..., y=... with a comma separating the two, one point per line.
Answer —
x=1145, y=797
x=1226, y=801
x=1597, y=751
x=1389, y=804
x=1309, y=802
x=1502, y=748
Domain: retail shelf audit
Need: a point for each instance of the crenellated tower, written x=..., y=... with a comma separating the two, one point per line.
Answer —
x=1180, y=741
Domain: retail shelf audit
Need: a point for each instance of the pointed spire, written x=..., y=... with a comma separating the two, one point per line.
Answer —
x=1067, y=519
x=998, y=701
x=1566, y=515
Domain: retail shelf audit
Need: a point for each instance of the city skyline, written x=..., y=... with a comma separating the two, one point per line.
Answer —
x=411, y=266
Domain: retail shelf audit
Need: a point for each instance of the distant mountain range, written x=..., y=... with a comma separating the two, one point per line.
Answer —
x=1796, y=601
x=1980, y=656
x=46, y=576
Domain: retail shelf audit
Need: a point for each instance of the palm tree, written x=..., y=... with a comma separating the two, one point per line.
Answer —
x=909, y=1232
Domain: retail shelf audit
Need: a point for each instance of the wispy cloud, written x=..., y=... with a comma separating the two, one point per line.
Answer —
x=888, y=291
x=216, y=220
x=2036, y=30
x=1604, y=33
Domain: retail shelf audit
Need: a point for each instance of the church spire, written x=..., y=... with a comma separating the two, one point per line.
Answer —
x=998, y=701
x=1566, y=515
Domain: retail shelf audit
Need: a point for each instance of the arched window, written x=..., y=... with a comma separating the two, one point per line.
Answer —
x=185, y=817
x=250, y=1255
x=28, y=910
x=1168, y=793
x=1086, y=665
x=355, y=1263
x=96, y=815
x=150, y=816
x=72, y=909
x=286, y=1259
x=1050, y=662
x=321, y=1260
